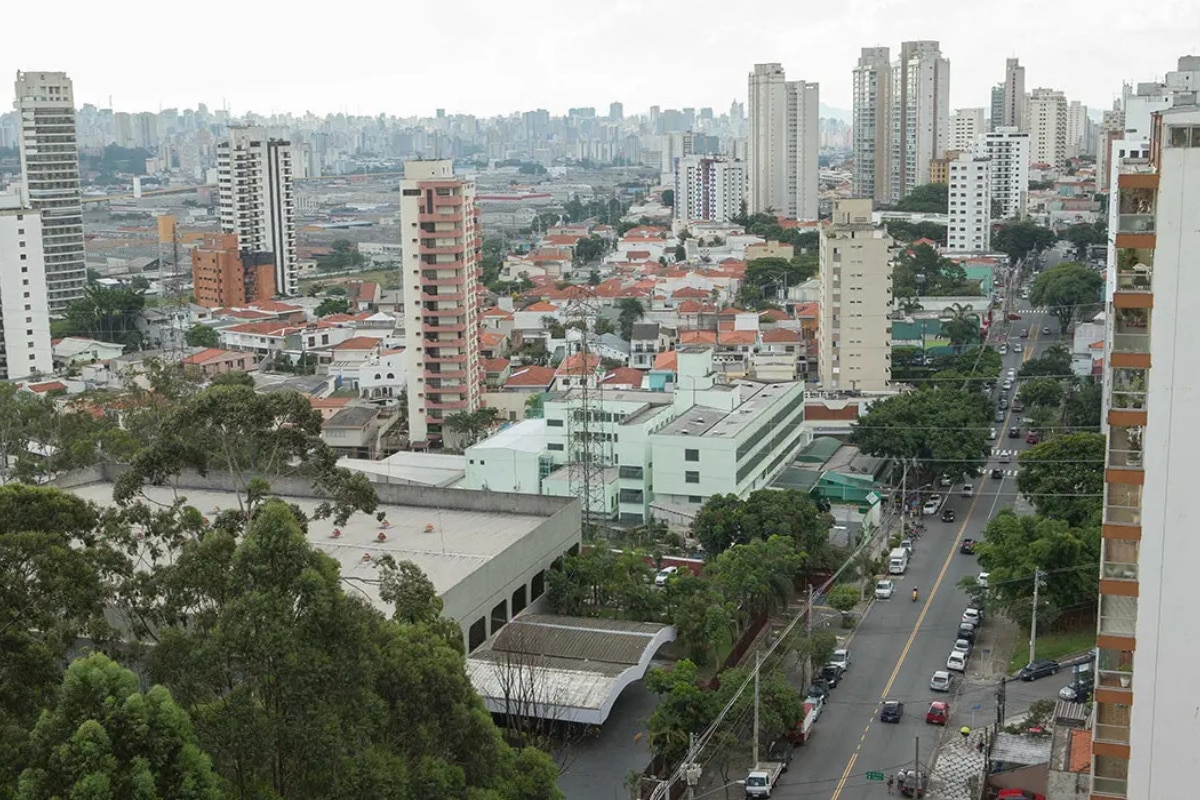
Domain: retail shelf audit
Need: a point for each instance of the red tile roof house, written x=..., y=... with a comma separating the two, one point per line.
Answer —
x=215, y=361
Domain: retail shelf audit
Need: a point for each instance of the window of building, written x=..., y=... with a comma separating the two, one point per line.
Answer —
x=695, y=499
x=691, y=477
x=691, y=455
x=556, y=446
x=554, y=423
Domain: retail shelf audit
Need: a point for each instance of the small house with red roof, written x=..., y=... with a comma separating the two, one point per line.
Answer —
x=577, y=369
x=530, y=379
x=214, y=361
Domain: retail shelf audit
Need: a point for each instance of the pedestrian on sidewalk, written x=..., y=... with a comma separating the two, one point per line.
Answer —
x=890, y=782
x=966, y=732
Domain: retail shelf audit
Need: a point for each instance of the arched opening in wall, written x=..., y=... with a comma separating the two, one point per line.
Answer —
x=574, y=550
x=499, y=616
x=537, y=586
x=477, y=634
x=518, y=600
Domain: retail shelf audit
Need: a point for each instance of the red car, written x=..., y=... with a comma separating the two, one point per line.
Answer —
x=1033, y=437
x=1013, y=316
x=939, y=714
x=1019, y=794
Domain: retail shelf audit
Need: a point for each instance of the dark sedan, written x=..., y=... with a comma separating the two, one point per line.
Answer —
x=892, y=711
x=1039, y=669
x=968, y=547
x=997, y=473
x=948, y=515
x=831, y=674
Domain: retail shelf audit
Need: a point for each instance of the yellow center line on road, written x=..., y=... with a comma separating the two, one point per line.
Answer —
x=912, y=637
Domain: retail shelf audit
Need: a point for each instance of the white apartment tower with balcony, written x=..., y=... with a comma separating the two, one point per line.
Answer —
x=856, y=300
x=440, y=240
x=24, y=302
x=708, y=189
x=970, y=204
x=783, y=145
x=1008, y=149
x=920, y=114
x=45, y=105
x=872, y=128
x=258, y=202
x=966, y=125
x=1046, y=122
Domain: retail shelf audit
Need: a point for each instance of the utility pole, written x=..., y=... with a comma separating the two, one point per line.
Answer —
x=808, y=612
x=757, y=669
x=1001, y=698
x=1037, y=580
x=919, y=783
x=692, y=771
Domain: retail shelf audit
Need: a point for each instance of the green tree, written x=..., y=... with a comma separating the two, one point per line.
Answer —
x=929, y=198
x=701, y=616
x=1083, y=235
x=1015, y=546
x=470, y=425
x=844, y=597
x=921, y=271
x=107, y=314
x=1054, y=362
x=202, y=336
x=1084, y=404
x=1045, y=392
x=961, y=327
x=629, y=311
x=332, y=305
x=668, y=198
x=683, y=709
x=1020, y=238
x=719, y=524
x=767, y=278
x=589, y=250
x=104, y=738
x=1070, y=291
x=343, y=255
x=726, y=520
x=757, y=577
x=942, y=430
x=1064, y=477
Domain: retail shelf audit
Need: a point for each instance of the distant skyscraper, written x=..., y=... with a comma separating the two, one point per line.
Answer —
x=45, y=103
x=440, y=277
x=1014, y=94
x=1008, y=148
x=1077, y=129
x=24, y=311
x=785, y=138
x=970, y=213
x=1046, y=121
x=258, y=201
x=708, y=189
x=996, y=120
x=616, y=112
x=966, y=124
x=920, y=114
x=872, y=129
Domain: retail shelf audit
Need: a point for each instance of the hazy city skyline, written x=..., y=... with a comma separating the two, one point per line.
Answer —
x=535, y=54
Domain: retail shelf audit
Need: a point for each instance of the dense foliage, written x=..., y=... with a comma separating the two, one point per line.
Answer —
x=1069, y=290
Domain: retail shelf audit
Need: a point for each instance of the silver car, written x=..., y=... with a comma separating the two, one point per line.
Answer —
x=941, y=681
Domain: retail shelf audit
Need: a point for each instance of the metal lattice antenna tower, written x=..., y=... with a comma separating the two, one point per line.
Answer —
x=589, y=439
x=175, y=300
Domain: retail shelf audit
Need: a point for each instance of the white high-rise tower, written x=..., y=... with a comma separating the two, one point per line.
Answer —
x=784, y=142
x=920, y=114
x=45, y=103
x=872, y=124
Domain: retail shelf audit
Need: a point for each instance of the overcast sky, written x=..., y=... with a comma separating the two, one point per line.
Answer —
x=488, y=57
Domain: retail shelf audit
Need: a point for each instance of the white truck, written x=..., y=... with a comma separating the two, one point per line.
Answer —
x=898, y=561
x=763, y=777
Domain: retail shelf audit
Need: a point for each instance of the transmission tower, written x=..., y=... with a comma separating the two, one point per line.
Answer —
x=590, y=430
x=171, y=282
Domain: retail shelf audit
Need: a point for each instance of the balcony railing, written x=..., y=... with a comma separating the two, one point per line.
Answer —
x=1118, y=615
x=1129, y=400
x=1117, y=571
x=1111, y=733
x=1135, y=223
x=1124, y=459
x=1123, y=504
x=1109, y=787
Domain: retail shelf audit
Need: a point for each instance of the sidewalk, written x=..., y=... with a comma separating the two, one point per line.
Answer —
x=958, y=771
x=995, y=647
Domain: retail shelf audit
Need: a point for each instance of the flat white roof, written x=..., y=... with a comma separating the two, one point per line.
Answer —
x=427, y=469
x=455, y=545
x=527, y=436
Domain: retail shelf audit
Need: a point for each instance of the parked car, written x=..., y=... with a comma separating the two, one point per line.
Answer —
x=819, y=689
x=938, y=713
x=932, y=505
x=841, y=657
x=966, y=631
x=1078, y=690
x=948, y=514
x=999, y=416
x=884, y=590
x=992, y=434
x=956, y=661
x=968, y=547
x=665, y=574
x=781, y=751
x=973, y=616
x=1039, y=669
x=941, y=681
x=1003, y=349
x=892, y=711
x=1002, y=403
x=832, y=675
x=1018, y=405
x=964, y=645
x=982, y=579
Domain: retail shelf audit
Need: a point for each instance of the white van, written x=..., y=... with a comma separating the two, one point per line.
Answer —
x=898, y=561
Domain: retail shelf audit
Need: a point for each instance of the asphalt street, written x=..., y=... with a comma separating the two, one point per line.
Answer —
x=899, y=644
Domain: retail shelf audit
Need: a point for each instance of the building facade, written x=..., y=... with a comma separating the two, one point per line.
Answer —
x=1046, y=122
x=1014, y=94
x=1143, y=735
x=258, y=202
x=1008, y=149
x=784, y=142
x=225, y=276
x=970, y=228
x=1078, y=128
x=872, y=129
x=920, y=114
x=708, y=189
x=966, y=125
x=440, y=274
x=856, y=300
x=24, y=300
x=45, y=103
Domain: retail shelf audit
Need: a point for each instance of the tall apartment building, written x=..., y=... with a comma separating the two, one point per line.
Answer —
x=24, y=302
x=1077, y=129
x=1008, y=149
x=920, y=114
x=996, y=107
x=224, y=275
x=1144, y=734
x=966, y=125
x=856, y=300
x=872, y=129
x=1014, y=94
x=970, y=204
x=45, y=102
x=1046, y=121
x=258, y=202
x=708, y=189
x=785, y=138
x=440, y=272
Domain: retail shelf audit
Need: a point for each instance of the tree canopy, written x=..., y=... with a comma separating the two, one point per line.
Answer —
x=1020, y=238
x=767, y=278
x=1064, y=477
x=928, y=198
x=202, y=336
x=921, y=271
x=1054, y=362
x=727, y=520
x=1069, y=290
x=1082, y=235
x=109, y=314
x=343, y=255
x=332, y=305
x=1042, y=391
x=942, y=430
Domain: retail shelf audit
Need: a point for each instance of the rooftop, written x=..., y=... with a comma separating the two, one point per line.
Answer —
x=756, y=399
x=527, y=436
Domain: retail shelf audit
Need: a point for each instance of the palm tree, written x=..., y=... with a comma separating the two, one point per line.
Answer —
x=961, y=326
x=910, y=304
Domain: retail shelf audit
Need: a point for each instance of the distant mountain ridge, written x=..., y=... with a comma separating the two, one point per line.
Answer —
x=836, y=113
